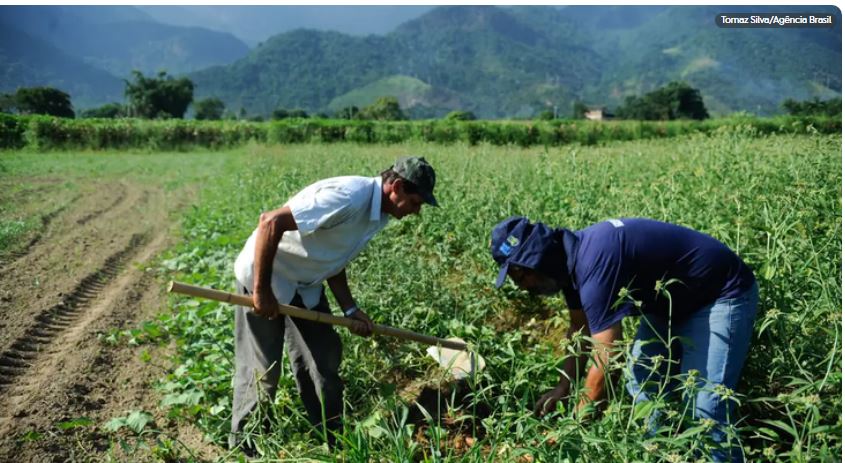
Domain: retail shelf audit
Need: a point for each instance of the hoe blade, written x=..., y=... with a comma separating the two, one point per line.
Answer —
x=459, y=363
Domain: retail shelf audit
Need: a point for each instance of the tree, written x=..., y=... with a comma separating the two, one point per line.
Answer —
x=349, y=112
x=7, y=103
x=814, y=107
x=43, y=100
x=107, y=111
x=676, y=100
x=385, y=108
x=280, y=113
x=546, y=115
x=688, y=100
x=159, y=97
x=209, y=109
x=579, y=110
x=460, y=116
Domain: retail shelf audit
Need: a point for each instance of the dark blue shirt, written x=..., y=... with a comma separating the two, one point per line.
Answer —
x=636, y=254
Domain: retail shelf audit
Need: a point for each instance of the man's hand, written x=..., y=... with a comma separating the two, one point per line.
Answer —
x=365, y=328
x=548, y=402
x=265, y=304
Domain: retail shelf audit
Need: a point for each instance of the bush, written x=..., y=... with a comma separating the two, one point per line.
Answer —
x=460, y=116
x=47, y=133
x=385, y=108
x=209, y=109
x=814, y=107
x=107, y=111
x=12, y=130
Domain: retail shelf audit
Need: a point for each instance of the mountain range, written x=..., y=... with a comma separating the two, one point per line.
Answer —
x=495, y=61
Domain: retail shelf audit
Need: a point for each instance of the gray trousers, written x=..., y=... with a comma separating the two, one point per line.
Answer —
x=314, y=350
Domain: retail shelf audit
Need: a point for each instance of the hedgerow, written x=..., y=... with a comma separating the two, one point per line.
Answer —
x=50, y=133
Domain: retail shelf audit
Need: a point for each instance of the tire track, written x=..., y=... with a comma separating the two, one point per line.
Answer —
x=93, y=215
x=25, y=350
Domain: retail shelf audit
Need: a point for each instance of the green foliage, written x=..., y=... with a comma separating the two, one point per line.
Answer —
x=158, y=97
x=349, y=112
x=422, y=98
x=783, y=216
x=209, y=109
x=279, y=113
x=46, y=133
x=386, y=108
x=107, y=111
x=11, y=230
x=282, y=113
x=75, y=423
x=546, y=115
x=7, y=103
x=460, y=116
x=136, y=421
x=43, y=100
x=12, y=129
x=291, y=77
x=814, y=107
x=676, y=100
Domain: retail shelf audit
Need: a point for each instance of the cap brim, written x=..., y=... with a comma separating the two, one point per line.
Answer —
x=430, y=200
x=503, y=273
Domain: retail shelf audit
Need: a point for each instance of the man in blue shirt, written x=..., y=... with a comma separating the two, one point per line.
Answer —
x=686, y=286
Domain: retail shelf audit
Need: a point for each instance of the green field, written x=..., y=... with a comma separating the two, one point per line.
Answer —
x=774, y=199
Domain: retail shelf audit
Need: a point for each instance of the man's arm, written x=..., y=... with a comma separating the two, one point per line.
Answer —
x=573, y=366
x=595, y=383
x=339, y=286
x=271, y=226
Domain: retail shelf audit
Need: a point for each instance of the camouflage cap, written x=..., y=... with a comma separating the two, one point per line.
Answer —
x=419, y=172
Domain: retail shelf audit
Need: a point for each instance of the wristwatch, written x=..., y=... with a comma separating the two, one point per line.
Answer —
x=350, y=311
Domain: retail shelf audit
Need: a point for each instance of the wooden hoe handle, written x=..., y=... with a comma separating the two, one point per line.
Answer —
x=319, y=317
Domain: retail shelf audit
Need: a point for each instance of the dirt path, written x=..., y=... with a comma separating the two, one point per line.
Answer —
x=82, y=274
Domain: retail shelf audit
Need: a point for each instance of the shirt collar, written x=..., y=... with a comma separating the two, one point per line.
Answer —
x=375, y=204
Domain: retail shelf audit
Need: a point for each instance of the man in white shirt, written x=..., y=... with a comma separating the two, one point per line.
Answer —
x=308, y=240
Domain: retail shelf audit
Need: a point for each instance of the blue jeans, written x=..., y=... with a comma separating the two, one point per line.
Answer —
x=714, y=341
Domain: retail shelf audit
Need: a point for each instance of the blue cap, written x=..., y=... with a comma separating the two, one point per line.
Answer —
x=508, y=237
x=516, y=240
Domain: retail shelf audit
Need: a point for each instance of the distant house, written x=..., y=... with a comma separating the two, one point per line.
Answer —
x=597, y=114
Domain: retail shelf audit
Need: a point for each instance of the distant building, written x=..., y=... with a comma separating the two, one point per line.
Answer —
x=597, y=114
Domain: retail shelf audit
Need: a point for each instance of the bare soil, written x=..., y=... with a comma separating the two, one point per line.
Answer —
x=81, y=274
